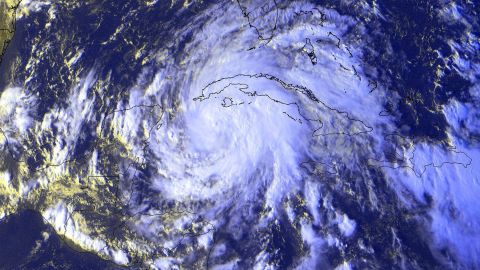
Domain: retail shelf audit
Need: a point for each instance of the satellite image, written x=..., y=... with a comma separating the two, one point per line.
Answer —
x=240, y=134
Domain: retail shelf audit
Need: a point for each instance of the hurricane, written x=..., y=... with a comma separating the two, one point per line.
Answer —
x=246, y=134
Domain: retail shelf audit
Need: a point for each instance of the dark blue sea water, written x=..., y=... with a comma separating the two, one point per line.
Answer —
x=24, y=246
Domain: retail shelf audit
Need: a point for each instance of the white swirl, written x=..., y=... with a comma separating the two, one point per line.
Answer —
x=243, y=112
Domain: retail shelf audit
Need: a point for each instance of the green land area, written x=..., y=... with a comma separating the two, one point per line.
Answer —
x=8, y=10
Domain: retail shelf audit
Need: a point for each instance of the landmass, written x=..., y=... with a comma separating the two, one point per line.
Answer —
x=8, y=12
